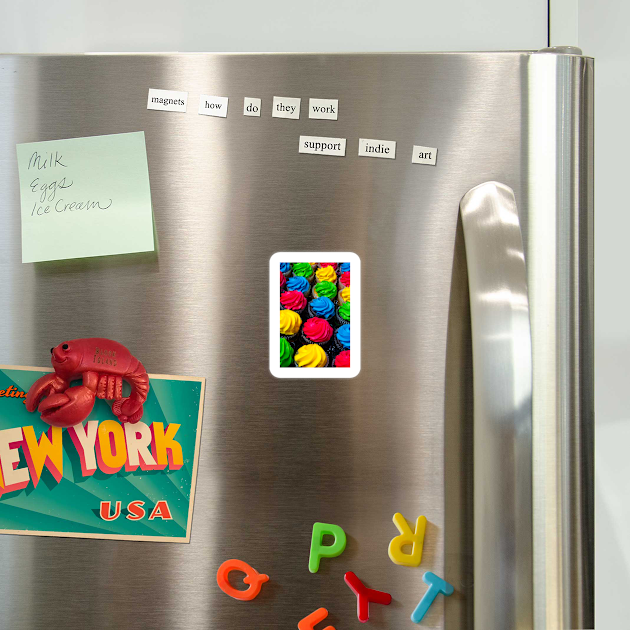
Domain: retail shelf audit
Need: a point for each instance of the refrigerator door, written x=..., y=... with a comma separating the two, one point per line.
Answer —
x=278, y=455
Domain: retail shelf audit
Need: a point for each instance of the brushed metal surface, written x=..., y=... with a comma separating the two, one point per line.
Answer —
x=560, y=273
x=502, y=372
x=276, y=455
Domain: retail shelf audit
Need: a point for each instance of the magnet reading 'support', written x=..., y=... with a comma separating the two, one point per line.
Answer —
x=102, y=364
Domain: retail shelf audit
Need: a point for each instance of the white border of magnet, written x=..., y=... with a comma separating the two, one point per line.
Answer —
x=274, y=316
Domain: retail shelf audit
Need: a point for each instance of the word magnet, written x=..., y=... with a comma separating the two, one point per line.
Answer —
x=319, y=550
x=407, y=537
x=252, y=577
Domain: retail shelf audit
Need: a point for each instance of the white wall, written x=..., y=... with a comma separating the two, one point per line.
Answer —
x=603, y=27
x=283, y=25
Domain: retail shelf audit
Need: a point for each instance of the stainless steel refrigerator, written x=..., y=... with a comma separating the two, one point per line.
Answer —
x=474, y=402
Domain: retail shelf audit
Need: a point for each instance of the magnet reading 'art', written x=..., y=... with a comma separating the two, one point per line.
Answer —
x=102, y=364
x=407, y=537
x=252, y=577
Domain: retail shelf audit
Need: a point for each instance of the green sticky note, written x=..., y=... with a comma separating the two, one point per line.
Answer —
x=85, y=197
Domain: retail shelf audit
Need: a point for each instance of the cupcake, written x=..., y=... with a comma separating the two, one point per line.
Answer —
x=290, y=324
x=285, y=269
x=326, y=274
x=286, y=353
x=342, y=338
x=325, y=289
x=344, y=280
x=322, y=307
x=342, y=359
x=311, y=355
x=314, y=266
x=294, y=301
x=317, y=330
x=333, y=265
x=343, y=267
x=299, y=283
x=283, y=282
x=343, y=314
x=344, y=295
x=303, y=270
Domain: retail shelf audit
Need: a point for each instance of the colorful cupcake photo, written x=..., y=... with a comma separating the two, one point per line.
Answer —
x=316, y=315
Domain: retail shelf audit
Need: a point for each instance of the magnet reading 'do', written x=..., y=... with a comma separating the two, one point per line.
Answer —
x=102, y=364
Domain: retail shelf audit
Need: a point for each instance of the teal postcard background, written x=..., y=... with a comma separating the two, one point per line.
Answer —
x=72, y=505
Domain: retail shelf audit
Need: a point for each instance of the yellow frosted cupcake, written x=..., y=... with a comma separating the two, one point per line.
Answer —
x=344, y=295
x=290, y=324
x=326, y=274
x=311, y=355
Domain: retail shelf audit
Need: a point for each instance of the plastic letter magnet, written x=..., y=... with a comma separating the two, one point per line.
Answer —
x=436, y=586
x=365, y=596
x=319, y=551
x=252, y=577
x=308, y=623
x=407, y=537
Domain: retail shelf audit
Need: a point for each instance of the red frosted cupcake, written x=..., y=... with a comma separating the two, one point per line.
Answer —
x=344, y=280
x=319, y=331
x=333, y=265
x=294, y=301
x=343, y=359
x=283, y=282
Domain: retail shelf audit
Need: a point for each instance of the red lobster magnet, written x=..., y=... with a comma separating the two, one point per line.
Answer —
x=102, y=364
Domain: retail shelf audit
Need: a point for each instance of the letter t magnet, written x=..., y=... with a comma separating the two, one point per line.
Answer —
x=407, y=537
x=436, y=586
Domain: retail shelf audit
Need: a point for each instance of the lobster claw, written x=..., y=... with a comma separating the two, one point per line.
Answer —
x=43, y=386
x=68, y=408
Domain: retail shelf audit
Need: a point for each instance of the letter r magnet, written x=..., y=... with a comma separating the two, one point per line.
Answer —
x=407, y=537
x=319, y=551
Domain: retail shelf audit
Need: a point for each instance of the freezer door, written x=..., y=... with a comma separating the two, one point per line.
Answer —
x=278, y=455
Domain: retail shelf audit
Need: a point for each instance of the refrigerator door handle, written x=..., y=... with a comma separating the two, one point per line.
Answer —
x=502, y=375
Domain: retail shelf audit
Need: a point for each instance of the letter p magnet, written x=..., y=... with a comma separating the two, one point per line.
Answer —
x=319, y=550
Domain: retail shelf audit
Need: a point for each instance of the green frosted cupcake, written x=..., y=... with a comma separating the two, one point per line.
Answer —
x=343, y=314
x=286, y=353
x=325, y=289
x=303, y=270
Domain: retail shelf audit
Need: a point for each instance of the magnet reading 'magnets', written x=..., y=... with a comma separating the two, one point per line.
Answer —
x=102, y=364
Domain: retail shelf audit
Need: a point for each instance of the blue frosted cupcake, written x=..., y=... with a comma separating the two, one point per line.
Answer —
x=343, y=267
x=342, y=338
x=299, y=283
x=285, y=268
x=323, y=308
